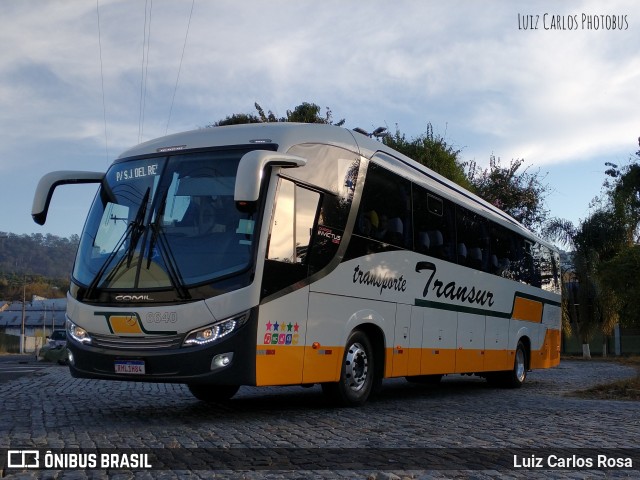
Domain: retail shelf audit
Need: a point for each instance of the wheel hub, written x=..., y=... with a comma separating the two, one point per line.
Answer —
x=520, y=365
x=356, y=367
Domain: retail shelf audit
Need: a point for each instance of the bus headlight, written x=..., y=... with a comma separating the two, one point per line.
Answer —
x=215, y=331
x=79, y=334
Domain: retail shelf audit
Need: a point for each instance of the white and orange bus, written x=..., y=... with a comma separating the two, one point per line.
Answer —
x=294, y=254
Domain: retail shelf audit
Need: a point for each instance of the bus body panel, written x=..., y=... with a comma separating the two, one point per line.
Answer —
x=440, y=332
x=457, y=336
x=402, y=341
x=332, y=317
x=496, y=355
x=415, y=341
x=280, y=339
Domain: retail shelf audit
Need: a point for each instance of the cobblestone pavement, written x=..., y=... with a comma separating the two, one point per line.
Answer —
x=51, y=410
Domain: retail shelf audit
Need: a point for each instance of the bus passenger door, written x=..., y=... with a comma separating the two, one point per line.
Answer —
x=284, y=297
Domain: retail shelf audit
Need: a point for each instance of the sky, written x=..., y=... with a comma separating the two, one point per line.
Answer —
x=553, y=83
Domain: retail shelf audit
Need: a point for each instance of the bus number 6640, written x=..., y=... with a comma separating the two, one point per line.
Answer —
x=162, y=317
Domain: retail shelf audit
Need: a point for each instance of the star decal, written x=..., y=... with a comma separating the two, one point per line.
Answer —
x=269, y=326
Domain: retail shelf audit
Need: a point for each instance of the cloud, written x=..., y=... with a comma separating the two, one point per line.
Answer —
x=547, y=96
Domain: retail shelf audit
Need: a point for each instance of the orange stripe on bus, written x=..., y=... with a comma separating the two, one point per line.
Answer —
x=279, y=365
x=294, y=365
x=549, y=354
x=322, y=365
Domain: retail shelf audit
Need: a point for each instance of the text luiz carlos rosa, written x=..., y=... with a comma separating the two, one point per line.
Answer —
x=573, y=461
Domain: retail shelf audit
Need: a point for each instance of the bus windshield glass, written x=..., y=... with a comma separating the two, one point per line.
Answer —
x=166, y=222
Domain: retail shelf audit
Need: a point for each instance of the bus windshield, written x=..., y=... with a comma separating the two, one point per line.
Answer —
x=165, y=222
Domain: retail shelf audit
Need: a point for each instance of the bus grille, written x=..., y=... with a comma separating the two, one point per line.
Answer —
x=155, y=342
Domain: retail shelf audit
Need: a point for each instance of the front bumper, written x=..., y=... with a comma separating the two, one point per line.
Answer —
x=174, y=365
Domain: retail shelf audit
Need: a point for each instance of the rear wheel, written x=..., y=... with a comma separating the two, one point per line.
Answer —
x=357, y=373
x=515, y=377
x=213, y=393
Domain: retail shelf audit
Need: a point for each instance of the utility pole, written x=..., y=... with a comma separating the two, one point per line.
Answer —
x=24, y=294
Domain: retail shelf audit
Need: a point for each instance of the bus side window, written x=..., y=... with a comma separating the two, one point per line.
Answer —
x=384, y=219
x=473, y=240
x=434, y=232
x=545, y=260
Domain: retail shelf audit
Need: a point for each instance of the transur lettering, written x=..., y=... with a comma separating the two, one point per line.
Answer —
x=452, y=291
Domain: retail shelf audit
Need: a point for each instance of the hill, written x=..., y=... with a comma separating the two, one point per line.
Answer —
x=42, y=262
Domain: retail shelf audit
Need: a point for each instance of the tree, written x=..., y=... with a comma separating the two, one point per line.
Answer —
x=623, y=192
x=517, y=191
x=433, y=152
x=595, y=241
x=303, y=113
x=43, y=260
x=237, y=119
x=619, y=270
x=621, y=275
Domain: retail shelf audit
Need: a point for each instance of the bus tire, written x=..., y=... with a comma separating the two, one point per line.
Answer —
x=213, y=393
x=515, y=377
x=357, y=373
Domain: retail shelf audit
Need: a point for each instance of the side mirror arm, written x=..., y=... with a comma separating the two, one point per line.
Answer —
x=251, y=170
x=49, y=182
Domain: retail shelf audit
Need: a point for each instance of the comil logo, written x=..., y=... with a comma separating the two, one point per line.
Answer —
x=133, y=298
x=23, y=459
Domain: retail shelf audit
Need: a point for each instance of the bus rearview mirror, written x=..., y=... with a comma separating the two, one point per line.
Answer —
x=251, y=170
x=49, y=182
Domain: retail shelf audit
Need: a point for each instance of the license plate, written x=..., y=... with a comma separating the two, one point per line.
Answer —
x=131, y=367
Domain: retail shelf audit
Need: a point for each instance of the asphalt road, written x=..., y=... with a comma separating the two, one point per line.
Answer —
x=459, y=429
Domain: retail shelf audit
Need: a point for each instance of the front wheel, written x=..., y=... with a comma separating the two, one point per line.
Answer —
x=357, y=373
x=213, y=393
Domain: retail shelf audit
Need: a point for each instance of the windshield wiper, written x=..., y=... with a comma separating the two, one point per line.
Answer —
x=168, y=258
x=134, y=225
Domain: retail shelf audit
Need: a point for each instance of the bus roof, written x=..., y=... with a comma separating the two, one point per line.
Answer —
x=286, y=135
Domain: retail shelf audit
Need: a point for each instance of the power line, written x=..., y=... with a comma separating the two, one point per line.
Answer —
x=184, y=46
x=104, y=106
x=146, y=42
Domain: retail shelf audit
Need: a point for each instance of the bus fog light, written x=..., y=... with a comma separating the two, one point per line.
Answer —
x=222, y=360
